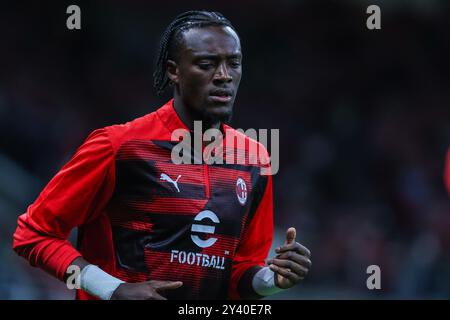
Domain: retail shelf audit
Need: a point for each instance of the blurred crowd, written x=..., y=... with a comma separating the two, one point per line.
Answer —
x=364, y=119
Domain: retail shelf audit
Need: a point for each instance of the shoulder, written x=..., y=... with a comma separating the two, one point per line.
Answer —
x=250, y=136
x=249, y=140
x=140, y=128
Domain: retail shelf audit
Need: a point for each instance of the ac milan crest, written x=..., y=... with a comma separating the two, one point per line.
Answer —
x=241, y=191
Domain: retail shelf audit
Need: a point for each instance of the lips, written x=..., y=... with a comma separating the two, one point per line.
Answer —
x=221, y=95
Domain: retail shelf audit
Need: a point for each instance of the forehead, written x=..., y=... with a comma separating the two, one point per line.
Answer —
x=218, y=40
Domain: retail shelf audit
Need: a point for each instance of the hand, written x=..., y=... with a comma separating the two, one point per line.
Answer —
x=148, y=290
x=292, y=263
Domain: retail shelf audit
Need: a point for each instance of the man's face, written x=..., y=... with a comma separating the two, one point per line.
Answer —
x=208, y=71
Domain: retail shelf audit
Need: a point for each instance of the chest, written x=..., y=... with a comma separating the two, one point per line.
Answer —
x=181, y=205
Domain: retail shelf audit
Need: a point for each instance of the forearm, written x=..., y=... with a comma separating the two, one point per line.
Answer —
x=79, y=262
x=94, y=280
x=257, y=282
x=245, y=284
x=52, y=254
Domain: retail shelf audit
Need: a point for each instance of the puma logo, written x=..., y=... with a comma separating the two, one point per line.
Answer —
x=165, y=177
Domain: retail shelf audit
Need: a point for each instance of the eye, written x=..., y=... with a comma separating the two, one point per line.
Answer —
x=205, y=65
x=235, y=63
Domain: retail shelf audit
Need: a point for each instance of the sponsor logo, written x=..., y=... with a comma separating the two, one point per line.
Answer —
x=198, y=259
x=206, y=229
x=165, y=177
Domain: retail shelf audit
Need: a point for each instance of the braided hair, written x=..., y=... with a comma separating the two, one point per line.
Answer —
x=172, y=39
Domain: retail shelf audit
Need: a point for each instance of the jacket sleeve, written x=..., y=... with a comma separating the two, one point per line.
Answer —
x=76, y=195
x=255, y=242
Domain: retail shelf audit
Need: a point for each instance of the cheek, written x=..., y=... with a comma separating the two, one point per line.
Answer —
x=236, y=74
x=237, y=80
x=194, y=85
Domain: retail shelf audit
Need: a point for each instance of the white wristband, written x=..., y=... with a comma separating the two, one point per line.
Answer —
x=97, y=282
x=264, y=282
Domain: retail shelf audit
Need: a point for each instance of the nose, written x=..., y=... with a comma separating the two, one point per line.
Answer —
x=222, y=74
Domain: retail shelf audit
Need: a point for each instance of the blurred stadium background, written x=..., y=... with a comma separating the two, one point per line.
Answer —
x=364, y=119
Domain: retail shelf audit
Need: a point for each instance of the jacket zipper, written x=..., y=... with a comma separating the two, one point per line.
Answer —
x=207, y=187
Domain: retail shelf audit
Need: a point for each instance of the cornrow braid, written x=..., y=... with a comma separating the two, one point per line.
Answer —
x=172, y=37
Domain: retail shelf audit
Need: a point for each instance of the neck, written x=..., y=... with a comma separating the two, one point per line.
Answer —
x=188, y=117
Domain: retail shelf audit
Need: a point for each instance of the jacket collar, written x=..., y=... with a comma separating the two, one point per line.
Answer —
x=172, y=121
x=170, y=118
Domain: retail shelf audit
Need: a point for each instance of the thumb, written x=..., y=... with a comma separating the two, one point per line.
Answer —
x=291, y=233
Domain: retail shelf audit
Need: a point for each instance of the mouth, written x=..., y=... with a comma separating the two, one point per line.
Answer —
x=221, y=95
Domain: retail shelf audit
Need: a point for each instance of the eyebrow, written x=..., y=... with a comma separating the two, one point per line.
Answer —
x=215, y=56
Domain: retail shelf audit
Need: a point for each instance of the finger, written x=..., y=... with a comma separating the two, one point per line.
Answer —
x=286, y=273
x=295, y=267
x=166, y=285
x=294, y=247
x=292, y=255
x=290, y=235
x=156, y=296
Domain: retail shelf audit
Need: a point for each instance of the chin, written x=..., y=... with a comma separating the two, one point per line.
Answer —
x=218, y=114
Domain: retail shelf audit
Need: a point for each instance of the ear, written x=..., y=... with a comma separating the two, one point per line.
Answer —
x=172, y=71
